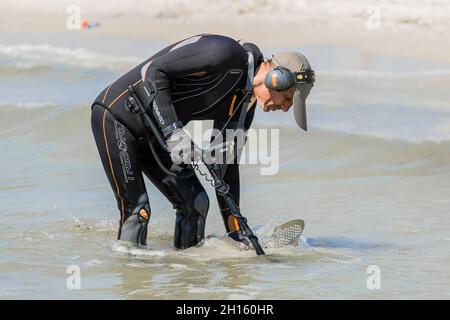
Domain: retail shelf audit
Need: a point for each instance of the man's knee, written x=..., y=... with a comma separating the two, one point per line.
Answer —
x=134, y=228
x=190, y=220
x=201, y=203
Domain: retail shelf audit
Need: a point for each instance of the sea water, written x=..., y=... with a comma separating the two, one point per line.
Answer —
x=371, y=179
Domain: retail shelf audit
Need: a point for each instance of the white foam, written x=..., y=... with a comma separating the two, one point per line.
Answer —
x=179, y=266
x=238, y=296
x=27, y=105
x=93, y=262
x=79, y=57
x=210, y=290
x=128, y=249
x=34, y=105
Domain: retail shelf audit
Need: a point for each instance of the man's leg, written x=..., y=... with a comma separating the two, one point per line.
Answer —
x=118, y=153
x=188, y=197
x=191, y=211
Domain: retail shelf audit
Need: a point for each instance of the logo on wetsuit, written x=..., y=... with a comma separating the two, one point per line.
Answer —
x=158, y=114
x=123, y=151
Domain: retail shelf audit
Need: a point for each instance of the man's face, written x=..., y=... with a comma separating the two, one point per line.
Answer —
x=277, y=100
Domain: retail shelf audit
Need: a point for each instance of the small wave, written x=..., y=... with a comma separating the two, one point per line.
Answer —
x=93, y=262
x=48, y=55
x=128, y=249
x=34, y=105
x=213, y=247
x=346, y=243
x=27, y=105
x=329, y=152
x=83, y=225
x=428, y=150
x=29, y=68
x=383, y=74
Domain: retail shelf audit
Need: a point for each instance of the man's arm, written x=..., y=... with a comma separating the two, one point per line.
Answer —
x=231, y=177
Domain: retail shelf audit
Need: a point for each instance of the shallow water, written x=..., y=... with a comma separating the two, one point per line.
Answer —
x=370, y=179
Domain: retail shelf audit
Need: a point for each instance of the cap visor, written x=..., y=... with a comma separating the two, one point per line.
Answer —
x=300, y=110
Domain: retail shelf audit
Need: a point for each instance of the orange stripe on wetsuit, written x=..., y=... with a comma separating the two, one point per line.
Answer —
x=233, y=101
x=232, y=221
x=122, y=215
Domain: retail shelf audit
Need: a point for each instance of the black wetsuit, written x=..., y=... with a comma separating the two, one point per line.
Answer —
x=202, y=77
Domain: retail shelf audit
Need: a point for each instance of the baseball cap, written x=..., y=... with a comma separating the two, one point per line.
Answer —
x=297, y=63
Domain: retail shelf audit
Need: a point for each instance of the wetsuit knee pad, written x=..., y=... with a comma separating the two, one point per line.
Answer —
x=134, y=229
x=190, y=221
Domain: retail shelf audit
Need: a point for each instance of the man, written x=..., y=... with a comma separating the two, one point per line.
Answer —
x=201, y=77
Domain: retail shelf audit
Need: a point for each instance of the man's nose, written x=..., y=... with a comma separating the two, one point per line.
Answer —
x=286, y=107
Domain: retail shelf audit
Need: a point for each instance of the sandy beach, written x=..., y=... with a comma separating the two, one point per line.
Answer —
x=419, y=31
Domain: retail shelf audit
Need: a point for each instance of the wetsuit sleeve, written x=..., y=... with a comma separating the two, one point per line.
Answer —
x=231, y=171
x=197, y=54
